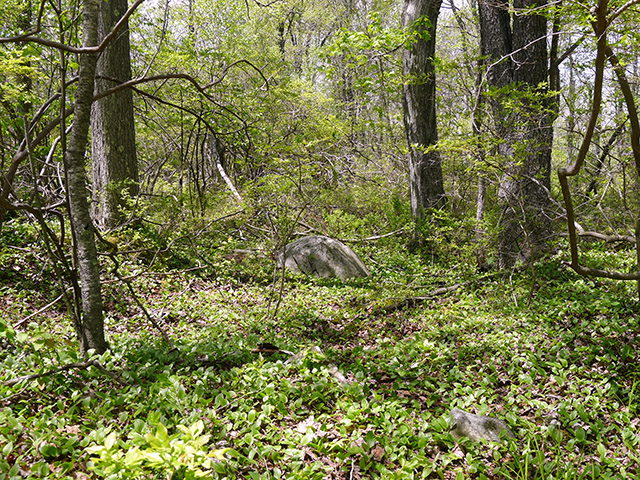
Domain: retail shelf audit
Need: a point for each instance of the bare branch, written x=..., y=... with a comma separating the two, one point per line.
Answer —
x=265, y=5
x=622, y=9
x=628, y=96
x=238, y=62
x=570, y=50
x=607, y=238
x=36, y=313
x=603, y=52
x=373, y=238
x=30, y=38
x=167, y=76
x=572, y=170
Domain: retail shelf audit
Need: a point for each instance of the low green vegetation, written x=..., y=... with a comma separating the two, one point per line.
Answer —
x=368, y=392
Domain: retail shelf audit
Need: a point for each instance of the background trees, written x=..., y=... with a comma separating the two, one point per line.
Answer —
x=303, y=115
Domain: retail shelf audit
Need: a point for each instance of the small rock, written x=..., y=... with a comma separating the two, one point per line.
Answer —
x=337, y=375
x=478, y=427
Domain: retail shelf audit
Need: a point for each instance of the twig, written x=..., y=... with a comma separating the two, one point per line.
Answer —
x=9, y=399
x=153, y=274
x=132, y=291
x=172, y=299
x=133, y=294
x=375, y=237
x=46, y=307
x=68, y=366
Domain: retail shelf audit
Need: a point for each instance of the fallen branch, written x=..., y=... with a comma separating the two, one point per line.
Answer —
x=153, y=274
x=605, y=238
x=63, y=368
x=43, y=309
x=370, y=239
x=414, y=301
x=267, y=347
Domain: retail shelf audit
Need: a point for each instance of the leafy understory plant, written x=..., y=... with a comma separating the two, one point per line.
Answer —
x=183, y=454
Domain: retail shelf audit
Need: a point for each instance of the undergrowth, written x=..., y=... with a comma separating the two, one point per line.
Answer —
x=553, y=354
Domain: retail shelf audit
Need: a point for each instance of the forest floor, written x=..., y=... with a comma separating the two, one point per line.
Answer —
x=268, y=376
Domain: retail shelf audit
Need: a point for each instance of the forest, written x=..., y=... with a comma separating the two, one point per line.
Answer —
x=312, y=239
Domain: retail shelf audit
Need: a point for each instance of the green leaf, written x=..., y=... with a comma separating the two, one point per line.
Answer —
x=133, y=457
x=219, y=467
x=110, y=441
x=49, y=450
x=219, y=453
x=370, y=438
x=41, y=469
x=602, y=451
x=161, y=438
x=7, y=449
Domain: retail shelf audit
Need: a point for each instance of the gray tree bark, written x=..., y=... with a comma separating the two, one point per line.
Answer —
x=517, y=61
x=113, y=140
x=419, y=104
x=90, y=332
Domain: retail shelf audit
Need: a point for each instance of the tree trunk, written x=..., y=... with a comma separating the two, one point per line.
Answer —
x=532, y=76
x=516, y=53
x=113, y=141
x=419, y=103
x=91, y=331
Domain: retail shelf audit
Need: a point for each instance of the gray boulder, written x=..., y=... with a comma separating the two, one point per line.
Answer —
x=478, y=427
x=322, y=257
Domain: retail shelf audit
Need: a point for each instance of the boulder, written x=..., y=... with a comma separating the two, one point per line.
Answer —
x=322, y=257
x=478, y=427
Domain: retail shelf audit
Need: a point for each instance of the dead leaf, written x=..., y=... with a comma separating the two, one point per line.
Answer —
x=72, y=429
x=457, y=451
x=304, y=425
x=378, y=452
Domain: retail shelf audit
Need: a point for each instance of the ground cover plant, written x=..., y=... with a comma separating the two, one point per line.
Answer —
x=360, y=386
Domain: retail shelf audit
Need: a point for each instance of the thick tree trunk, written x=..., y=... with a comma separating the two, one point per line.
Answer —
x=91, y=331
x=113, y=140
x=516, y=53
x=532, y=76
x=419, y=103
